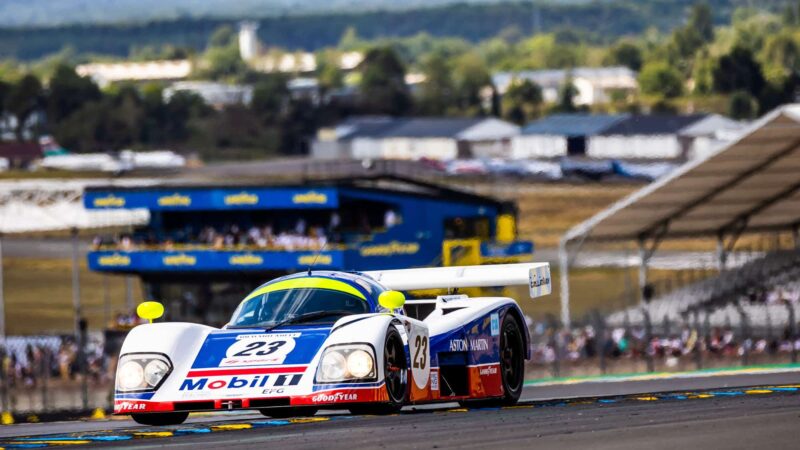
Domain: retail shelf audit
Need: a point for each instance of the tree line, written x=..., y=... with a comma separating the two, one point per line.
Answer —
x=598, y=21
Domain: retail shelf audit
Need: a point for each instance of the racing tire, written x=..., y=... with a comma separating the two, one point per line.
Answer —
x=395, y=373
x=160, y=419
x=285, y=413
x=512, y=365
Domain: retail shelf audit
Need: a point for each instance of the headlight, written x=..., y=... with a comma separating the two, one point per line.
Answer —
x=352, y=362
x=333, y=366
x=359, y=363
x=155, y=371
x=142, y=371
x=130, y=376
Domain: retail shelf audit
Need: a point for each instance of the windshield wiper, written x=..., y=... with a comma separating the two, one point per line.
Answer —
x=300, y=319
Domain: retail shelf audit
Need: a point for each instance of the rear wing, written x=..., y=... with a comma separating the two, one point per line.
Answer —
x=535, y=275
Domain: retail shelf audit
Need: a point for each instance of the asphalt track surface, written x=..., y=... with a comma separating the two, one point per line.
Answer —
x=736, y=411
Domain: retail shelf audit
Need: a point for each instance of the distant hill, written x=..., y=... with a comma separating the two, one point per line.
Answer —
x=602, y=21
x=66, y=12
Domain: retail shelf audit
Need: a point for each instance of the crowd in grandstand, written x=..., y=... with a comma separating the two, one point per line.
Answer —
x=302, y=235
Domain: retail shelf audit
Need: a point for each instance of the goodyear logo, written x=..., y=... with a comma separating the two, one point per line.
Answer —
x=245, y=260
x=180, y=260
x=109, y=201
x=310, y=197
x=115, y=260
x=242, y=198
x=392, y=248
x=175, y=200
x=312, y=260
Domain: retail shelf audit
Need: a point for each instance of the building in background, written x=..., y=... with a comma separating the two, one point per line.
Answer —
x=217, y=95
x=561, y=135
x=414, y=138
x=248, y=40
x=263, y=59
x=107, y=73
x=660, y=137
x=19, y=155
x=594, y=85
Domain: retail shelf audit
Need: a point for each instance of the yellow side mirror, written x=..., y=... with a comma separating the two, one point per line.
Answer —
x=392, y=300
x=150, y=310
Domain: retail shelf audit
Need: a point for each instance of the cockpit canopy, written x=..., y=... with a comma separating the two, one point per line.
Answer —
x=307, y=299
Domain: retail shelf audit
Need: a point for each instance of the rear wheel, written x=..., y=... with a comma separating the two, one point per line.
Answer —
x=160, y=419
x=512, y=359
x=512, y=365
x=395, y=373
x=283, y=413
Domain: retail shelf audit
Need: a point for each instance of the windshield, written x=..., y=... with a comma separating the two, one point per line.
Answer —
x=279, y=306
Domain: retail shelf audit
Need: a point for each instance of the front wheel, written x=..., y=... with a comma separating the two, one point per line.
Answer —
x=283, y=413
x=395, y=375
x=160, y=419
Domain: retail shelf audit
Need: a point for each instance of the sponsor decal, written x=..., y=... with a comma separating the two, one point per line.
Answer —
x=245, y=260
x=126, y=405
x=242, y=198
x=450, y=298
x=109, y=201
x=389, y=249
x=539, y=282
x=312, y=260
x=310, y=197
x=262, y=350
x=180, y=260
x=495, y=324
x=115, y=260
x=488, y=370
x=434, y=380
x=335, y=397
x=463, y=345
x=240, y=382
x=175, y=200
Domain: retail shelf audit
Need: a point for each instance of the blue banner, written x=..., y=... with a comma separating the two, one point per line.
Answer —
x=212, y=260
x=213, y=199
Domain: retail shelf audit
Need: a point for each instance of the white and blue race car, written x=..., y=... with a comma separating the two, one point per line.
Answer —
x=336, y=340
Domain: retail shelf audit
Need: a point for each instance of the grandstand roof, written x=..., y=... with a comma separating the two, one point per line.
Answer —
x=378, y=127
x=573, y=124
x=652, y=124
x=751, y=184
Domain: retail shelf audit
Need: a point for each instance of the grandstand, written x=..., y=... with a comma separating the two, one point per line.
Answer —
x=205, y=246
x=750, y=186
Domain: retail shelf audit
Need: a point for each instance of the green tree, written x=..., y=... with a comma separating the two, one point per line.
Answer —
x=472, y=82
x=68, y=92
x=659, y=78
x=701, y=19
x=383, y=87
x=742, y=105
x=566, y=97
x=738, y=70
x=23, y=99
x=224, y=63
x=703, y=73
x=625, y=54
x=223, y=36
x=782, y=53
x=329, y=73
x=437, y=92
x=270, y=98
x=522, y=101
